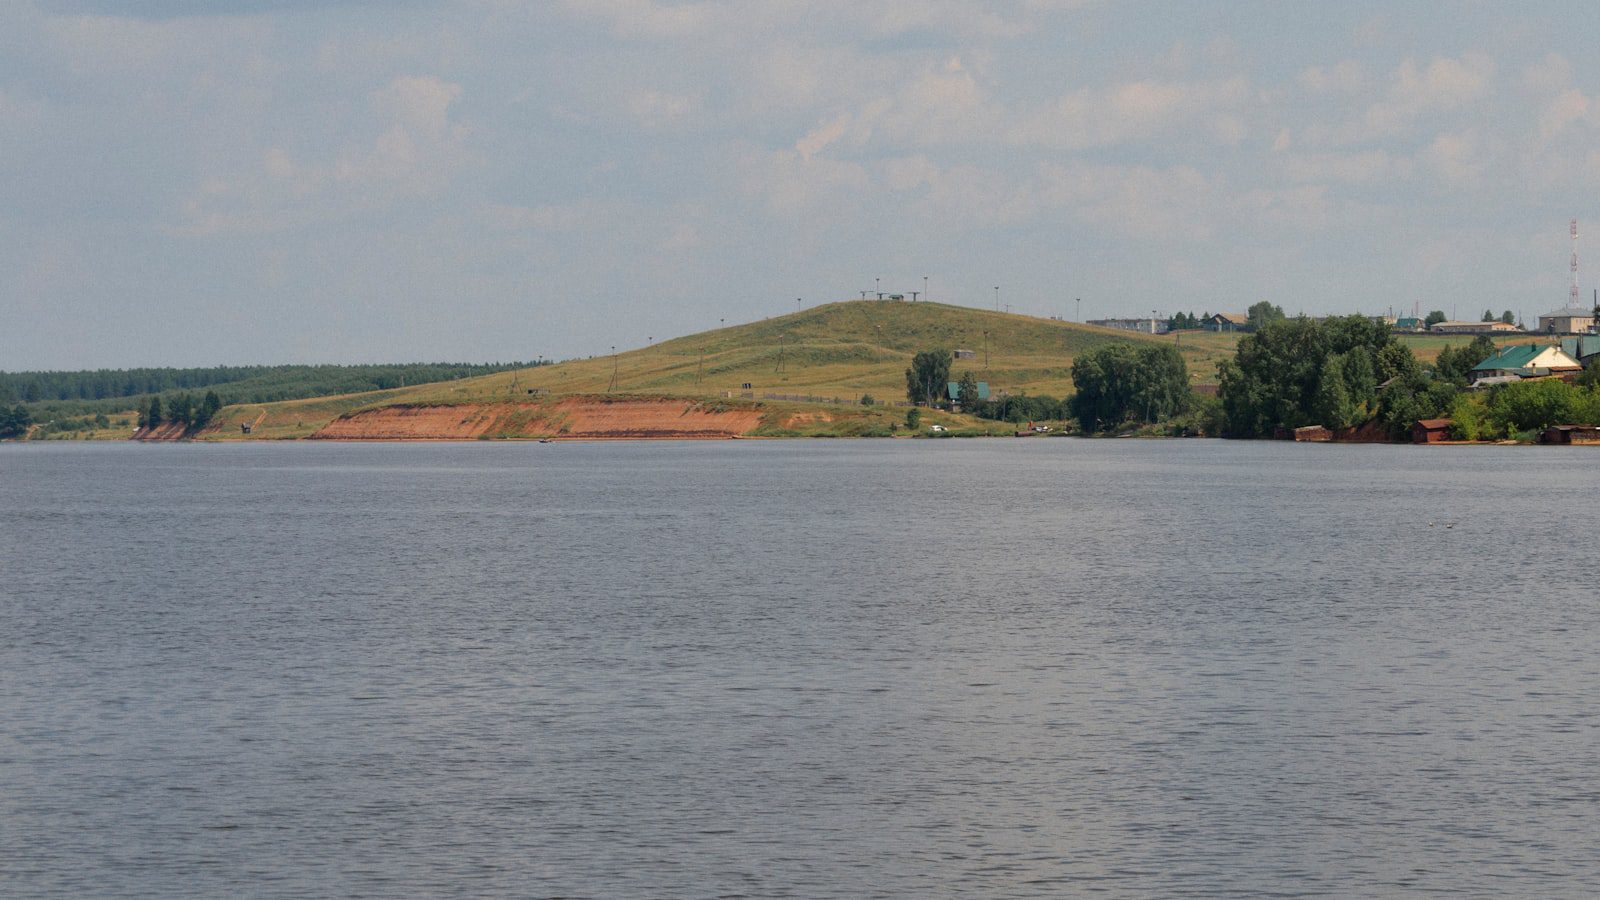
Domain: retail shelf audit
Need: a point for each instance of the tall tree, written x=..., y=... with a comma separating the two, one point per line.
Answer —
x=207, y=409
x=928, y=376
x=1508, y=317
x=1121, y=383
x=1434, y=317
x=1263, y=314
x=967, y=390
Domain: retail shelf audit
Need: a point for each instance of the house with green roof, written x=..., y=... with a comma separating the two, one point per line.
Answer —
x=1524, y=361
x=953, y=391
x=1582, y=348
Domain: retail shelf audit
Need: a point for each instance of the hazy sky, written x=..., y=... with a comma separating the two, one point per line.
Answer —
x=296, y=181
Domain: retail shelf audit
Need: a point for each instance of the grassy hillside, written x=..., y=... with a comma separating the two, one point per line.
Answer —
x=838, y=350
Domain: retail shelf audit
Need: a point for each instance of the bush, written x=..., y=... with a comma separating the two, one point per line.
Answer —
x=1469, y=419
x=1531, y=405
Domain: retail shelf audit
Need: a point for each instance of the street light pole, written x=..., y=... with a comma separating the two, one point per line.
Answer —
x=997, y=298
x=1080, y=309
x=925, y=290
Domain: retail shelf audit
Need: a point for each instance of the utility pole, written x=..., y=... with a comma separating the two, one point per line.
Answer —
x=700, y=372
x=1080, y=309
x=997, y=298
x=797, y=304
x=782, y=339
x=924, y=287
x=986, y=349
x=613, y=386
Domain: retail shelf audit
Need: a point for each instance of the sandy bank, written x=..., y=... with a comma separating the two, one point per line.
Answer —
x=588, y=418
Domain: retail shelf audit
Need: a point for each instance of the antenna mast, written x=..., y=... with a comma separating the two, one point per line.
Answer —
x=1572, y=299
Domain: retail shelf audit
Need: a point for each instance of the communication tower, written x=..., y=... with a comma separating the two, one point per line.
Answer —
x=1572, y=299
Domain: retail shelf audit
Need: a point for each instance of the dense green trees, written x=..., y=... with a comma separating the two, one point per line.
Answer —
x=1455, y=364
x=1515, y=409
x=1299, y=372
x=928, y=376
x=14, y=422
x=182, y=409
x=1434, y=317
x=63, y=395
x=1263, y=314
x=1183, y=321
x=1121, y=383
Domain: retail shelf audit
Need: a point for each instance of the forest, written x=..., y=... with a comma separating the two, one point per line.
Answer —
x=104, y=391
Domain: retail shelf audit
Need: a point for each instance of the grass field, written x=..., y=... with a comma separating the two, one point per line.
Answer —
x=836, y=350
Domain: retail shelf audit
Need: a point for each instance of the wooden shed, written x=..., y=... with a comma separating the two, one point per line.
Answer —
x=1571, y=434
x=1430, y=431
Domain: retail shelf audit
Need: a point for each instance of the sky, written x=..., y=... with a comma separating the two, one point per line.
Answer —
x=286, y=181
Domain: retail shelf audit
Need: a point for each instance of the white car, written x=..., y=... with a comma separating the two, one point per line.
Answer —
x=937, y=428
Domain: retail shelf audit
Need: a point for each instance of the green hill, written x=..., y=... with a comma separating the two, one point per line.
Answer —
x=837, y=350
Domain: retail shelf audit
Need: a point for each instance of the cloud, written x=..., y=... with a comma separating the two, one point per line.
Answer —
x=1444, y=84
x=661, y=21
x=416, y=153
x=790, y=184
x=1131, y=111
x=818, y=139
x=1569, y=107
x=1360, y=168
x=1455, y=159
x=1342, y=77
x=660, y=109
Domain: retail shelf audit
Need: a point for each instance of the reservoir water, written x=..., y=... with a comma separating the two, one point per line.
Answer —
x=799, y=669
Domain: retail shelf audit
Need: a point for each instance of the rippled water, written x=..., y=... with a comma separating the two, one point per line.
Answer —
x=991, y=668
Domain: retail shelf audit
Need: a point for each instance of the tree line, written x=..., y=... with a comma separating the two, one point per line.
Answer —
x=1117, y=385
x=1348, y=373
x=239, y=384
x=182, y=409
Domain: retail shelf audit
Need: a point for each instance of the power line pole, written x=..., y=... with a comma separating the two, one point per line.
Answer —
x=613, y=385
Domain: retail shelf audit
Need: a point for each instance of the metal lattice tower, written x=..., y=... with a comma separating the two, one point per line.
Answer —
x=1572, y=299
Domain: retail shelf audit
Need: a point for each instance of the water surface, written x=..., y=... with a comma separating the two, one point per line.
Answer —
x=810, y=669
